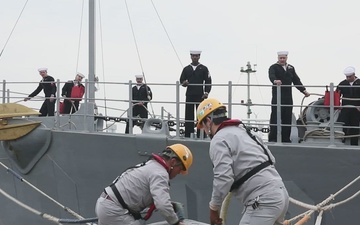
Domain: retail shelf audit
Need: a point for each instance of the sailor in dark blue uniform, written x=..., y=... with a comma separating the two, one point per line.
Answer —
x=195, y=73
x=282, y=73
x=47, y=84
x=141, y=95
x=350, y=88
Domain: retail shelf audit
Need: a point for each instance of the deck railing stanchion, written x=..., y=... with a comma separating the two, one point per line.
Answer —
x=177, y=109
x=230, y=99
x=130, y=110
x=332, y=130
x=57, y=125
x=3, y=90
x=8, y=95
x=278, y=113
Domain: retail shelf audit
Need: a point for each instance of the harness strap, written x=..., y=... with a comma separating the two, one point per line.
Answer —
x=256, y=169
x=246, y=177
x=136, y=215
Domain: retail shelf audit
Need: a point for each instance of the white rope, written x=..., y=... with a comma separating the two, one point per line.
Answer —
x=41, y=192
x=330, y=206
x=302, y=215
x=319, y=218
x=225, y=207
x=302, y=204
x=321, y=207
x=322, y=134
x=43, y=215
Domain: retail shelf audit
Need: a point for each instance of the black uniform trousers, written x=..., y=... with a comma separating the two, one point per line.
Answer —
x=286, y=118
x=47, y=108
x=138, y=111
x=350, y=117
x=70, y=107
x=194, y=101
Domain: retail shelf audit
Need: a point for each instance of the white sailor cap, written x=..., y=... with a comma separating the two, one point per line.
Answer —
x=195, y=52
x=139, y=76
x=42, y=69
x=279, y=53
x=80, y=75
x=349, y=71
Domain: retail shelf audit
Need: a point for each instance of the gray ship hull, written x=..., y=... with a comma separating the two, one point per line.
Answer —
x=77, y=166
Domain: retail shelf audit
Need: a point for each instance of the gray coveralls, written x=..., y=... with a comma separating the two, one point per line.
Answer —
x=234, y=153
x=139, y=187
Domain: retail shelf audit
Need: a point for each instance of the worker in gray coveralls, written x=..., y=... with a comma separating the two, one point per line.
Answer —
x=244, y=166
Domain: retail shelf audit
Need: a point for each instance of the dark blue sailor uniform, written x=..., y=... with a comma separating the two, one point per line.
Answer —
x=194, y=93
x=350, y=116
x=287, y=77
x=47, y=84
x=143, y=95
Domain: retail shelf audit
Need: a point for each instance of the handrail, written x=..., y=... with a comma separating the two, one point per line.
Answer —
x=165, y=102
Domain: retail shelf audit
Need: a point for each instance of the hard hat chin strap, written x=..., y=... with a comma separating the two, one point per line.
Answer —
x=211, y=116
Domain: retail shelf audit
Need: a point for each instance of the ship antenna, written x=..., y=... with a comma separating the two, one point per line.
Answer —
x=248, y=70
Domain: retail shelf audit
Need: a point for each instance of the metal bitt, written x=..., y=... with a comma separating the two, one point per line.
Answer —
x=248, y=70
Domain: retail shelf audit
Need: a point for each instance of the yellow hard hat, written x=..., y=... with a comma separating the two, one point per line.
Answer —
x=184, y=154
x=205, y=108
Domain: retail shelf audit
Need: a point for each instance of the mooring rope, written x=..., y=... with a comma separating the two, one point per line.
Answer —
x=44, y=215
x=303, y=217
x=225, y=207
x=322, y=206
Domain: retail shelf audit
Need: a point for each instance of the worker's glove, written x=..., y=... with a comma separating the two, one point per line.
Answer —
x=179, y=210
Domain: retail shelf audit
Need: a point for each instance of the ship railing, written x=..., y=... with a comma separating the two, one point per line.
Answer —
x=232, y=95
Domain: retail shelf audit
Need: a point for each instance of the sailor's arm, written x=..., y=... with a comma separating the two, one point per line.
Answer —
x=34, y=93
x=272, y=76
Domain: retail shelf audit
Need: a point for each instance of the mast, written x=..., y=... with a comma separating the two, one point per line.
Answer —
x=248, y=71
x=92, y=50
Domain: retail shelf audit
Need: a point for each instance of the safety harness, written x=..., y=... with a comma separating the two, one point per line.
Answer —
x=256, y=169
x=137, y=215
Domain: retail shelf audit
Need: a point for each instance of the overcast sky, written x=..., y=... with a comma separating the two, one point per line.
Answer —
x=322, y=38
